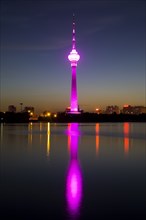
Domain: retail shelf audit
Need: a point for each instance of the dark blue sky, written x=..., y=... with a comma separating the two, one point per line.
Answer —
x=36, y=40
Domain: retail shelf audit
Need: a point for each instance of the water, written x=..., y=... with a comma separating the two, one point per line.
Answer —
x=73, y=171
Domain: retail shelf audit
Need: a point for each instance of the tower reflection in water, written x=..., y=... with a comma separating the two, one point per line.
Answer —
x=74, y=176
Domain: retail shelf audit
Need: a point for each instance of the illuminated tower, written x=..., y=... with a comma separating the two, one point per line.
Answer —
x=74, y=58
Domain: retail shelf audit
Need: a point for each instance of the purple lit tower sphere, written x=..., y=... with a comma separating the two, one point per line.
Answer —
x=74, y=58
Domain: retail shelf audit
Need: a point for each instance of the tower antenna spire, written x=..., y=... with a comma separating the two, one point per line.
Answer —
x=73, y=33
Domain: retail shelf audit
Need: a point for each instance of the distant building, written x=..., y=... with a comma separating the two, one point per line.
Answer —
x=112, y=109
x=98, y=111
x=11, y=108
x=139, y=110
x=45, y=114
x=29, y=109
x=128, y=109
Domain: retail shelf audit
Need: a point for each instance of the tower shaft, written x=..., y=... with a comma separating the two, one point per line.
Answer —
x=74, y=97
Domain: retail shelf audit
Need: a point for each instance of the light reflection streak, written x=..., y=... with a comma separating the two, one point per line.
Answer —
x=1, y=132
x=74, y=176
x=40, y=133
x=97, y=137
x=126, y=128
x=30, y=133
x=48, y=138
x=69, y=136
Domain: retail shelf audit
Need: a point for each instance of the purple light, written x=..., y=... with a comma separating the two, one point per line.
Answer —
x=74, y=58
x=74, y=177
x=74, y=98
x=74, y=187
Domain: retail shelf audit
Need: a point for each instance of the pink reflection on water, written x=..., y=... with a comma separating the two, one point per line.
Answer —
x=74, y=187
x=74, y=176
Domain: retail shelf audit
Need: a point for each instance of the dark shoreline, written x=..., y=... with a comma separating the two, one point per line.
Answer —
x=87, y=117
x=93, y=117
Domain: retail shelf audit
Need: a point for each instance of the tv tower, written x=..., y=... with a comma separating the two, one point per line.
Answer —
x=74, y=58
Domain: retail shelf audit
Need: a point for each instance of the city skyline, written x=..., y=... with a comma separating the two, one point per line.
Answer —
x=35, y=40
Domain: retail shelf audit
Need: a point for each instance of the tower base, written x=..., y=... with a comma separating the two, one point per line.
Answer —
x=73, y=112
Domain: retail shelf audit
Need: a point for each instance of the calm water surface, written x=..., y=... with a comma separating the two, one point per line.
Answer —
x=73, y=171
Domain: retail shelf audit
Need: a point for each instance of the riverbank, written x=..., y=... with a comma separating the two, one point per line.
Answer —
x=9, y=117
x=93, y=117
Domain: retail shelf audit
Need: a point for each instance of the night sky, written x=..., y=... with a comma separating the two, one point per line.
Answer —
x=36, y=40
